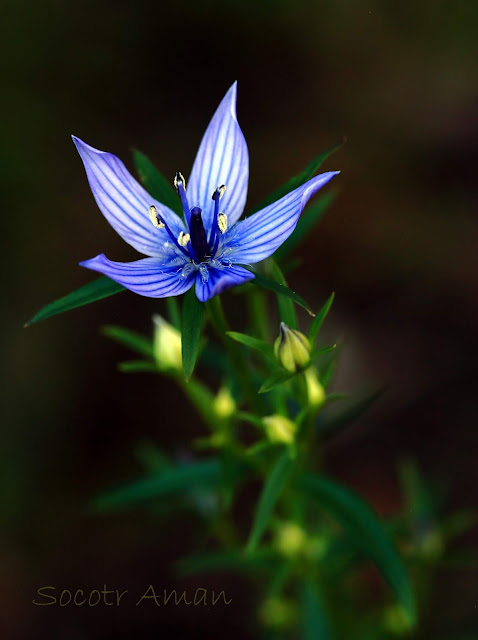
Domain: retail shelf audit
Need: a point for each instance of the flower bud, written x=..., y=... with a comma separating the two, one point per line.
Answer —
x=290, y=539
x=292, y=348
x=278, y=613
x=279, y=429
x=166, y=345
x=315, y=391
x=224, y=405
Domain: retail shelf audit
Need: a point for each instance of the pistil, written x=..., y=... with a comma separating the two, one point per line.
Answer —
x=198, y=235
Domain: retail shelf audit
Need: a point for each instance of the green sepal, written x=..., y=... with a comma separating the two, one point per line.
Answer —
x=100, y=288
x=155, y=183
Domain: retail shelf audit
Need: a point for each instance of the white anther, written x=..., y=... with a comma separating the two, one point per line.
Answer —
x=222, y=222
x=154, y=217
x=178, y=178
x=183, y=239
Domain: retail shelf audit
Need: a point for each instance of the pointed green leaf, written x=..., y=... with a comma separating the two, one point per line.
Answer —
x=174, y=313
x=338, y=420
x=128, y=338
x=299, y=179
x=286, y=306
x=155, y=183
x=315, y=617
x=226, y=561
x=262, y=281
x=307, y=221
x=169, y=481
x=360, y=521
x=278, y=377
x=137, y=366
x=254, y=343
x=191, y=321
x=319, y=319
x=271, y=491
x=91, y=292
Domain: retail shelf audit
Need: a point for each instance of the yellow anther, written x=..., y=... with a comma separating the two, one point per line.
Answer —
x=222, y=222
x=221, y=190
x=154, y=217
x=183, y=239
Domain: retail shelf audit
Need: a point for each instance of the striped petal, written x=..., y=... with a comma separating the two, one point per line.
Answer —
x=147, y=277
x=219, y=280
x=222, y=159
x=124, y=202
x=258, y=236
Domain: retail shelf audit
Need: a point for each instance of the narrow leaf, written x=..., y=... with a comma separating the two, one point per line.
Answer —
x=300, y=178
x=155, y=183
x=334, y=422
x=128, y=338
x=262, y=281
x=254, y=343
x=315, y=619
x=137, y=366
x=191, y=320
x=278, y=377
x=101, y=288
x=359, y=521
x=319, y=319
x=169, y=481
x=270, y=494
x=226, y=561
x=311, y=215
x=286, y=306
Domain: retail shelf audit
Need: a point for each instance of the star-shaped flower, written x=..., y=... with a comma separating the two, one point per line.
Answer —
x=207, y=248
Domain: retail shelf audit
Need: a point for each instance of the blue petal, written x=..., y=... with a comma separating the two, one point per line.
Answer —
x=219, y=280
x=148, y=277
x=258, y=236
x=222, y=158
x=124, y=202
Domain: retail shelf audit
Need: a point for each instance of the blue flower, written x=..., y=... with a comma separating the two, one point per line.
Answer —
x=207, y=248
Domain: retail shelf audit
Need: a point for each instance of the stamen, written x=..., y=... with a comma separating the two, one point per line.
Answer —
x=213, y=235
x=177, y=179
x=180, y=186
x=183, y=239
x=154, y=217
x=159, y=223
x=219, y=191
x=222, y=222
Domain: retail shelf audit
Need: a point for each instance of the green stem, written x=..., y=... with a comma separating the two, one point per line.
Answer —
x=241, y=366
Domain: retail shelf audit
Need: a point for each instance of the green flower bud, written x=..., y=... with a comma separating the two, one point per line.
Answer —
x=279, y=429
x=224, y=405
x=292, y=348
x=290, y=539
x=278, y=613
x=166, y=345
x=315, y=391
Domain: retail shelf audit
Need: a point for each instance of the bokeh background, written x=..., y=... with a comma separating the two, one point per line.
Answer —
x=399, y=248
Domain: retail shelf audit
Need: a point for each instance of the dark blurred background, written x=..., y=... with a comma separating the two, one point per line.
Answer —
x=398, y=247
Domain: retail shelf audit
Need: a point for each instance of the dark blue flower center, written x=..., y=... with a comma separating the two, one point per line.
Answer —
x=197, y=232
